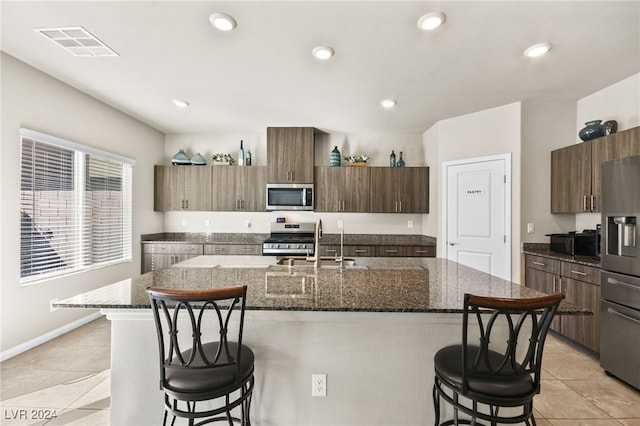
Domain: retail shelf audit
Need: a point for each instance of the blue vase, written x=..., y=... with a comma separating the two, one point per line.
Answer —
x=334, y=160
x=400, y=161
x=592, y=130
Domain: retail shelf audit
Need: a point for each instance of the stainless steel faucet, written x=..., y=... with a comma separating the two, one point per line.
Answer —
x=340, y=258
x=318, y=237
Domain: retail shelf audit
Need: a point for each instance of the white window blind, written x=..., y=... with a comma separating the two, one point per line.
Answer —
x=75, y=207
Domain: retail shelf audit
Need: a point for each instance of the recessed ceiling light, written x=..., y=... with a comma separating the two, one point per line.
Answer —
x=77, y=40
x=180, y=103
x=431, y=21
x=388, y=103
x=222, y=21
x=323, y=52
x=537, y=50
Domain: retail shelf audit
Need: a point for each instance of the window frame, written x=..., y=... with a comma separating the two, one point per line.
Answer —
x=81, y=158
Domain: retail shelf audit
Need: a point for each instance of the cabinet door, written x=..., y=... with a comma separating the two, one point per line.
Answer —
x=605, y=149
x=634, y=140
x=290, y=154
x=196, y=181
x=584, y=329
x=342, y=189
x=399, y=190
x=254, y=190
x=544, y=282
x=571, y=178
x=224, y=180
x=167, y=188
x=182, y=188
x=360, y=251
x=413, y=189
x=384, y=185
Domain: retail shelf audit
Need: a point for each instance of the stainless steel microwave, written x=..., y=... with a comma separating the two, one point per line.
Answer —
x=289, y=196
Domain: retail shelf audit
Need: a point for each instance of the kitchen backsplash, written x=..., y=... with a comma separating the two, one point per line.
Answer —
x=353, y=223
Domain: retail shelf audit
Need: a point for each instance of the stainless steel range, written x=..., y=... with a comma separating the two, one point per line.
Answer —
x=290, y=239
x=620, y=298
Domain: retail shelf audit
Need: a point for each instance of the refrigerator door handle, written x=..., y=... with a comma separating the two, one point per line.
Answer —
x=620, y=314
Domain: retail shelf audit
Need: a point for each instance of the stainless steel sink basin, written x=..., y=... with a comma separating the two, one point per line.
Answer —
x=328, y=262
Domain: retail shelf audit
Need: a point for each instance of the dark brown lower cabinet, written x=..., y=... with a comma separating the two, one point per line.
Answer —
x=581, y=286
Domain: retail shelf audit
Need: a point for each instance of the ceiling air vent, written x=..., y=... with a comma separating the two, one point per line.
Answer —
x=77, y=40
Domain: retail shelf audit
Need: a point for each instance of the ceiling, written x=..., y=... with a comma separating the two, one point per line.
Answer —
x=263, y=74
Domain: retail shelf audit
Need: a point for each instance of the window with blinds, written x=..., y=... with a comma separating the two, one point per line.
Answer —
x=75, y=207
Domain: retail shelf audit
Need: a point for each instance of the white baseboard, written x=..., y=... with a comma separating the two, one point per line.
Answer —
x=30, y=344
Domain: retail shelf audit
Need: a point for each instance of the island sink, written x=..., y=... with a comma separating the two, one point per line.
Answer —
x=301, y=261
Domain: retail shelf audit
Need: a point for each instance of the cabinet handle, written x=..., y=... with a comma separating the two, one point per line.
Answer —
x=360, y=251
x=247, y=248
x=539, y=263
x=396, y=207
x=584, y=203
x=613, y=311
x=182, y=204
x=331, y=251
x=391, y=251
x=422, y=251
x=400, y=206
x=218, y=249
x=187, y=204
x=584, y=274
x=593, y=203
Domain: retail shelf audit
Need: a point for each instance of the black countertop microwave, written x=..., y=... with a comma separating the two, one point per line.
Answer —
x=575, y=244
x=289, y=196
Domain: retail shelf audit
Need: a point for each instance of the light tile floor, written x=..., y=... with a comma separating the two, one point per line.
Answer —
x=69, y=377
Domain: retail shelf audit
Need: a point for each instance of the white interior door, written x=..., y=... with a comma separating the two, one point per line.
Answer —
x=477, y=214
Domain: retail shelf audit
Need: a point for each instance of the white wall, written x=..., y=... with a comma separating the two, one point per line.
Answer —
x=490, y=132
x=377, y=146
x=620, y=102
x=546, y=125
x=37, y=101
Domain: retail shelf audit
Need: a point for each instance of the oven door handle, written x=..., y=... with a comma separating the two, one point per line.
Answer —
x=613, y=281
x=613, y=311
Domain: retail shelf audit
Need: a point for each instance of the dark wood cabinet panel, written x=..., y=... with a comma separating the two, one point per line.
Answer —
x=238, y=188
x=584, y=329
x=576, y=180
x=406, y=251
x=399, y=190
x=342, y=189
x=581, y=286
x=571, y=178
x=182, y=188
x=290, y=154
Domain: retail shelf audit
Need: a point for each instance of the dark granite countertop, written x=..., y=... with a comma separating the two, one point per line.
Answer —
x=541, y=249
x=371, y=285
x=327, y=239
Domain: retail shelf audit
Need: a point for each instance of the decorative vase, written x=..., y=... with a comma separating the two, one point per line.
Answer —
x=400, y=161
x=592, y=130
x=334, y=159
x=180, y=159
x=610, y=127
x=198, y=160
x=392, y=159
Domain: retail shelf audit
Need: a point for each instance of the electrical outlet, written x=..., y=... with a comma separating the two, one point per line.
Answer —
x=247, y=223
x=318, y=385
x=184, y=222
x=207, y=223
x=531, y=228
x=340, y=224
x=410, y=224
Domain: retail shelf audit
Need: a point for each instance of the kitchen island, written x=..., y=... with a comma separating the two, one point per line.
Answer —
x=373, y=328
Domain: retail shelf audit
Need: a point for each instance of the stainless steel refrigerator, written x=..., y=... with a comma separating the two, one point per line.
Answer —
x=620, y=254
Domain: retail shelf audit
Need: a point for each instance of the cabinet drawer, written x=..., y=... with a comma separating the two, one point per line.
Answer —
x=233, y=249
x=579, y=272
x=545, y=264
x=331, y=250
x=360, y=251
x=174, y=248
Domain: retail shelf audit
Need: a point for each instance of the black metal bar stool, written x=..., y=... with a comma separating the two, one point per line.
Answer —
x=481, y=378
x=219, y=371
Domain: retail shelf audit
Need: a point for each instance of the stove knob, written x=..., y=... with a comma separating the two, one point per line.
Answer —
x=277, y=245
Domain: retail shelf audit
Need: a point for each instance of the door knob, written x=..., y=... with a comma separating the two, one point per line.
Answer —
x=451, y=243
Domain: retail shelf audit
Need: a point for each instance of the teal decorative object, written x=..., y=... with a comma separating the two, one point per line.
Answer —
x=198, y=160
x=392, y=159
x=400, y=161
x=334, y=160
x=181, y=159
